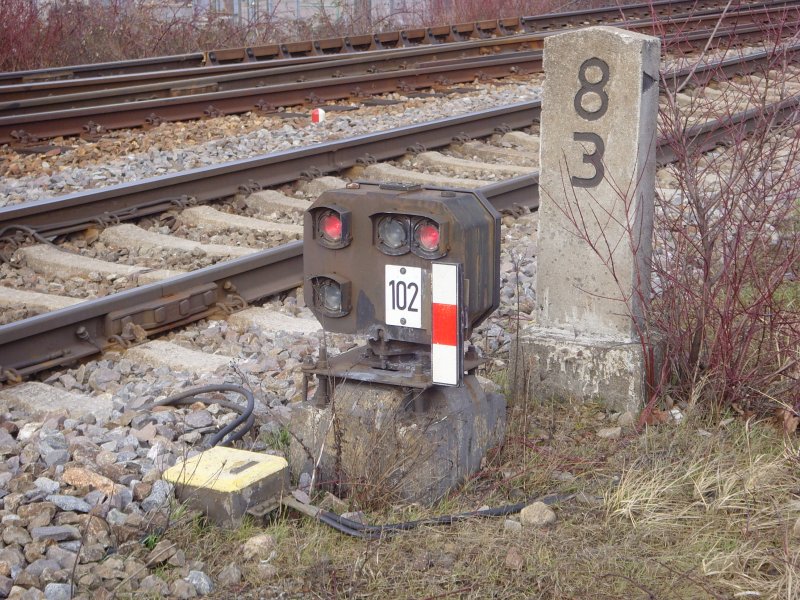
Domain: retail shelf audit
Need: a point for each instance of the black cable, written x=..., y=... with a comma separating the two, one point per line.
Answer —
x=366, y=531
x=245, y=417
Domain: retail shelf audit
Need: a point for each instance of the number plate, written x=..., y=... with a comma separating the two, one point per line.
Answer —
x=404, y=296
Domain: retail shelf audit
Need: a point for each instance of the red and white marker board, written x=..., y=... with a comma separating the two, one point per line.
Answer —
x=318, y=115
x=447, y=356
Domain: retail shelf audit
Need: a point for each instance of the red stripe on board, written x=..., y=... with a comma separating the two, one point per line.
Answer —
x=445, y=324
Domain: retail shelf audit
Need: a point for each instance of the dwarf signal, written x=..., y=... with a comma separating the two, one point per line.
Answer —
x=412, y=269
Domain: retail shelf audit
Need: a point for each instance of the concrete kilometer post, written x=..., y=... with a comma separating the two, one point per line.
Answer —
x=597, y=182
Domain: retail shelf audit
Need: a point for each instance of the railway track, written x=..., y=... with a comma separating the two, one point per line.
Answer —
x=246, y=74
x=102, y=269
x=224, y=60
x=171, y=300
x=406, y=70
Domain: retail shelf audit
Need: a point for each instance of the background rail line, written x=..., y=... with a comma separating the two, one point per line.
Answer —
x=376, y=41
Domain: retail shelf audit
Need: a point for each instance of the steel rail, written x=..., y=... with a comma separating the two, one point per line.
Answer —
x=64, y=336
x=366, y=42
x=115, y=116
x=182, y=81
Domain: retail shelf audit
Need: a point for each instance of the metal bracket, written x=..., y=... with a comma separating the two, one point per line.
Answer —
x=163, y=313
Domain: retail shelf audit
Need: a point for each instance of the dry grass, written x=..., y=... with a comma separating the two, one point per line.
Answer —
x=688, y=511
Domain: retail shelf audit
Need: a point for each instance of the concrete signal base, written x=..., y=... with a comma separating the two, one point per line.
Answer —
x=371, y=436
x=559, y=365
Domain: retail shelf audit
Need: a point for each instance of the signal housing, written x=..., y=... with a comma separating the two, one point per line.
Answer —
x=469, y=233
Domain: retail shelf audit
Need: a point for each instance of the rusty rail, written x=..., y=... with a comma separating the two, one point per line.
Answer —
x=496, y=28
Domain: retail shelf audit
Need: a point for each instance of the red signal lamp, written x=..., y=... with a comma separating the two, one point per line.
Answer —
x=332, y=227
x=427, y=236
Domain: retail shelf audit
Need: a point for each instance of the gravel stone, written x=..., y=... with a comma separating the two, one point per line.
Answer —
x=230, y=575
x=56, y=457
x=537, y=514
x=16, y=535
x=182, y=590
x=202, y=583
x=258, y=547
x=58, y=591
x=266, y=571
x=6, y=583
x=514, y=560
x=512, y=526
x=56, y=532
x=161, y=553
x=161, y=491
x=198, y=419
x=38, y=514
x=65, y=558
x=69, y=503
x=610, y=433
x=153, y=584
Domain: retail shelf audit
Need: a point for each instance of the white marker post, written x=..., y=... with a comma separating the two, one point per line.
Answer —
x=597, y=183
x=447, y=348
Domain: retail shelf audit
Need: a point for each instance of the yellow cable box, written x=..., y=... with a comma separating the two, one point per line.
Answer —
x=226, y=482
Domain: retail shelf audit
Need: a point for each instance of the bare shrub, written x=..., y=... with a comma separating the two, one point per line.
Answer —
x=64, y=32
x=36, y=35
x=727, y=300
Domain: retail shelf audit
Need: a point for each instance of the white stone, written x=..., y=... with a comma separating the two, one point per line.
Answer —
x=537, y=514
x=610, y=433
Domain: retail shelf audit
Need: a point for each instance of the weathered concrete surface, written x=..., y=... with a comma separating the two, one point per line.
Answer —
x=384, y=172
x=317, y=186
x=479, y=150
x=523, y=140
x=132, y=236
x=597, y=181
x=382, y=443
x=157, y=353
x=559, y=365
x=38, y=399
x=269, y=201
x=469, y=168
x=37, y=301
x=272, y=321
x=50, y=261
x=211, y=219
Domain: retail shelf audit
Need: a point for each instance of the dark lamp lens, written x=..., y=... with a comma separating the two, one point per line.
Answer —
x=330, y=225
x=428, y=237
x=392, y=232
x=331, y=297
